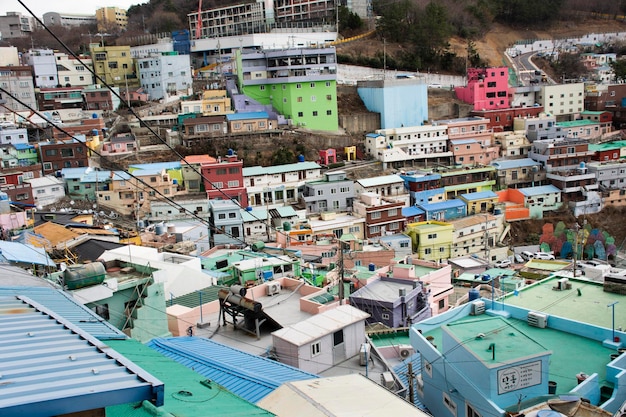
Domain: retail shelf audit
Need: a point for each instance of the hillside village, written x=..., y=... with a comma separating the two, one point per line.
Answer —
x=224, y=220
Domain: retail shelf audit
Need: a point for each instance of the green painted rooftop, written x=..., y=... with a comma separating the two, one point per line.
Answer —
x=607, y=145
x=589, y=307
x=421, y=270
x=582, y=354
x=576, y=123
x=547, y=265
x=187, y=393
x=395, y=338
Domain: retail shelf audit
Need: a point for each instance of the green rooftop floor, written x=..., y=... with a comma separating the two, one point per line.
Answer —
x=589, y=307
x=571, y=354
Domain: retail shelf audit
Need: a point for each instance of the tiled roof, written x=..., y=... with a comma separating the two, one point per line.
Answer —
x=250, y=376
x=279, y=169
x=443, y=205
x=247, y=116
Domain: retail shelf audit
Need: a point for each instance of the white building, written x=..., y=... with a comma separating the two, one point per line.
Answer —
x=609, y=174
x=416, y=144
x=16, y=25
x=562, y=100
x=18, y=81
x=145, y=51
x=68, y=20
x=47, y=190
x=275, y=186
x=72, y=71
x=12, y=136
x=165, y=75
x=390, y=186
x=9, y=56
x=44, y=66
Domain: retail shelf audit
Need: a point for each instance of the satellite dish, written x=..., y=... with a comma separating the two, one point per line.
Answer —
x=62, y=266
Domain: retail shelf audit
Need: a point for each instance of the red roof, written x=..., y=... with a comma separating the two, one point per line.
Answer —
x=199, y=159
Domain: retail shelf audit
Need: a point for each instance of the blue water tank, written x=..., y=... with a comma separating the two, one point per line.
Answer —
x=94, y=132
x=175, y=181
x=474, y=294
x=248, y=208
x=267, y=275
x=230, y=152
x=497, y=211
x=94, y=115
x=159, y=229
x=582, y=165
x=372, y=267
x=300, y=158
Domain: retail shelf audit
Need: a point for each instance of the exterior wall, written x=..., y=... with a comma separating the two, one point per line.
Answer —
x=561, y=154
x=44, y=66
x=562, y=100
x=164, y=75
x=163, y=210
x=71, y=71
x=48, y=193
x=502, y=119
x=224, y=179
x=19, y=82
x=487, y=88
x=16, y=25
x=247, y=125
x=381, y=216
x=521, y=176
x=513, y=144
x=68, y=20
x=226, y=223
x=21, y=193
x=13, y=136
x=9, y=55
x=609, y=175
x=56, y=156
x=417, y=144
x=324, y=196
x=107, y=16
x=399, y=102
x=432, y=240
x=278, y=185
x=99, y=99
x=132, y=197
x=299, y=83
x=114, y=65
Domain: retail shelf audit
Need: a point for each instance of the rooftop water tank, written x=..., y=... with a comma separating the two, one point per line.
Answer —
x=474, y=294
x=249, y=208
x=171, y=229
x=159, y=229
x=258, y=246
x=94, y=132
x=94, y=115
x=300, y=158
x=84, y=275
x=230, y=152
x=286, y=226
x=372, y=267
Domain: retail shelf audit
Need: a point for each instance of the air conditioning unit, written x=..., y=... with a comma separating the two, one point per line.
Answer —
x=478, y=308
x=406, y=351
x=386, y=380
x=273, y=288
x=564, y=284
x=537, y=319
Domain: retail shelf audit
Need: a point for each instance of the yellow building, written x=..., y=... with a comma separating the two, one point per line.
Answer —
x=108, y=16
x=114, y=65
x=213, y=103
x=432, y=240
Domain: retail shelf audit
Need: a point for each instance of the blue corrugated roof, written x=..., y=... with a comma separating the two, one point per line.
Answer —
x=51, y=367
x=402, y=372
x=247, y=116
x=412, y=211
x=442, y=205
x=249, y=376
x=479, y=195
x=64, y=305
x=24, y=253
x=542, y=189
x=462, y=141
x=22, y=146
x=514, y=163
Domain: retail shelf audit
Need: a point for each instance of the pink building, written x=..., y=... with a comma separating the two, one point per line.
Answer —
x=223, y=179
x=487, y=88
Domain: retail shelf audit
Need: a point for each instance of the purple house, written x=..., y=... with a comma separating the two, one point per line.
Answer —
x=395, y=302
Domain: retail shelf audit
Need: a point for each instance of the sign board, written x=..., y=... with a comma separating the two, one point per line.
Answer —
x=519, y=376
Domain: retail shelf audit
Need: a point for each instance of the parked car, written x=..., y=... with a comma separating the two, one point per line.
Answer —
x=544, y=256
x=527, y=256
x=518, y=259
x=503, y=263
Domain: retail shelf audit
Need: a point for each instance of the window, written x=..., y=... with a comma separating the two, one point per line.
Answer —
x=300, y=114
x=432, y=235
x=385, y=316
x=315, y=113
x=312, y=85
x=375, y=215
x=298, y=85
x=442, y=303
x=338, y=338
x=221, y=216
x=427, y=251
x=232, y=215
x=51, y=152
x=329, y=97
x=299, y=99
x=217, y=185
x=470, y=412
x=313, y=98
x=329, y=112
x=449, y=404
x=316, y=348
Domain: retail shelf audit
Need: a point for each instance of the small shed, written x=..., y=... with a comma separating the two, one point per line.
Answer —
x=322, y=341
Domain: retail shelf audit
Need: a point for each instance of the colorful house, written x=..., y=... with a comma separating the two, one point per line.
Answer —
x=487, y=88
x=478, y=202
x=444, y=210
x=248, y=122
x=432, y=240
x=530, y=202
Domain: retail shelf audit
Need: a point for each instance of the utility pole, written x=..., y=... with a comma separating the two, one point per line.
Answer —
x=341, y=272
x=411, y=376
